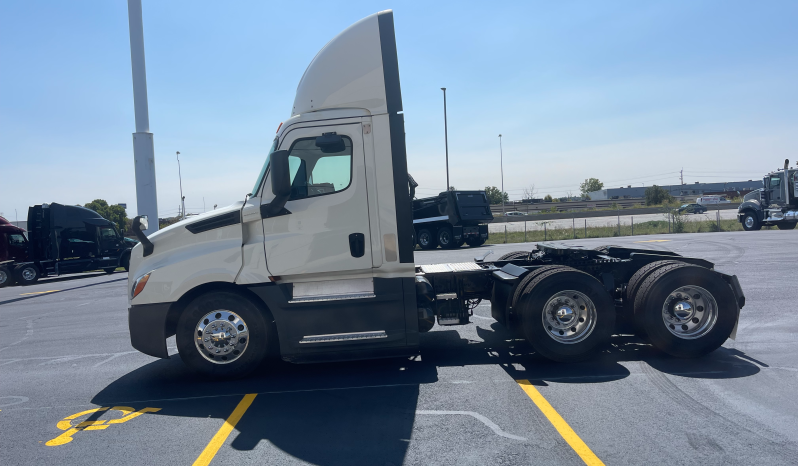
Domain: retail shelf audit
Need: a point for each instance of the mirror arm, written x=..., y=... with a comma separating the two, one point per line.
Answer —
x=145, y=242
x=275, y=208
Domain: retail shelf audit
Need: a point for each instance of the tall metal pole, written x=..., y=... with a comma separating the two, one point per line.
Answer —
x=180, y=177
x=143, y=146
x=501, y=165
x=446, y=137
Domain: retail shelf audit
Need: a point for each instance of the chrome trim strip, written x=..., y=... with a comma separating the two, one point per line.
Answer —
x=335, y=297
x=431, y=219
x=343, y=337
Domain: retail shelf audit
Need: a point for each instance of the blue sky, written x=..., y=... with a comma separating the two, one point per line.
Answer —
x=628, y=92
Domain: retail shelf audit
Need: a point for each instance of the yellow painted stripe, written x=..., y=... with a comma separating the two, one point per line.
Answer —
x=217, y=441
x=653, y=241
x=562, y=427
x=40, y=292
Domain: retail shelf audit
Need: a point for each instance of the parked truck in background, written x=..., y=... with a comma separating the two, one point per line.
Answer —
x=60, y=239
x=776, y=203
x=316, y=262
x=451, y=219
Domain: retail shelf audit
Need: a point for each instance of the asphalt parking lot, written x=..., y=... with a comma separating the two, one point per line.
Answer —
x=73, y=390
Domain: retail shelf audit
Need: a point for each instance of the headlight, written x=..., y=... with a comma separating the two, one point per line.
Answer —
x=139, y=284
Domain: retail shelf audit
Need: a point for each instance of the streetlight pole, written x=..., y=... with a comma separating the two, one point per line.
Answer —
x=501, y=166
x=180, y=177
x=446, y=137
x=143, y=146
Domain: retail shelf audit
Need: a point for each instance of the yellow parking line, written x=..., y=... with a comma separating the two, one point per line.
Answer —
x=217, y=441
x=562, y=427
x=40, y=292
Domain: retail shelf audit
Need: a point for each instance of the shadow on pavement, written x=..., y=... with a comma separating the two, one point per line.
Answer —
x=363, y=412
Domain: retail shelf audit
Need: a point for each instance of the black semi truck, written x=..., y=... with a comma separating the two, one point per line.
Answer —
x=452, y=219
x=66, y=239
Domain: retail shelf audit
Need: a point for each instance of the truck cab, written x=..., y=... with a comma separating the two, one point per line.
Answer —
x=315, y=263
x=776, y=204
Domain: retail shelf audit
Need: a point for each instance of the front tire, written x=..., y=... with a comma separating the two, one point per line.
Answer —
x=566, y=314
x=223, y=334
x=26, y=274
x=786, y=226
x=751, y=223
x=687, y=311
x=6, y=278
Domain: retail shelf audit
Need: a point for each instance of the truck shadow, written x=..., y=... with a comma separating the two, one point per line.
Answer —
x=364, y=412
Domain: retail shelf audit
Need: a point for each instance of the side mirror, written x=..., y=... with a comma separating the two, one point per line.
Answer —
x=281, y=185
x=280, y=174
x=145, y=224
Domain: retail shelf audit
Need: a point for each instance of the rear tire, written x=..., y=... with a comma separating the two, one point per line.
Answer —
x=687, y=311
x=445, y=238
x=786, y=226
x=566, y=314
x=751, y=223
x=6, y=277
x=426, y=240
x=629, y=314
x=514, y=255
x=215, y=319
x=26, y=274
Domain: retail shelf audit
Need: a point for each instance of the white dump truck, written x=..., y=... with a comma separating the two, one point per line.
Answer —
x=316, y=263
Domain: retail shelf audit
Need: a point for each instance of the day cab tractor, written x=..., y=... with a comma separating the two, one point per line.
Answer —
x=316, y=262
x=774, y=204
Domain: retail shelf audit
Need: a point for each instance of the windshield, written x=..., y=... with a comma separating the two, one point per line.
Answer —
x=263, y=170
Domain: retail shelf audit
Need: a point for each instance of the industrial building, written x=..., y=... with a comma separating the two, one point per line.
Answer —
x=696, y=189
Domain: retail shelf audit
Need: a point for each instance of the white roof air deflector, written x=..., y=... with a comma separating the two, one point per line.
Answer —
x=346, y=73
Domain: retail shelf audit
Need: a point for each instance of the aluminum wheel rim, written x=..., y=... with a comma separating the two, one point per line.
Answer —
x=3, y=276
x=424, y=239
x=221, y=337
x=569, y=317
x=444, y=238
x=749, y=221
x=28, y=274
x=690, y=312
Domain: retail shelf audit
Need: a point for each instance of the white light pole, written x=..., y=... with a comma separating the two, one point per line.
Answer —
x=446, y=137
x=143, y=146
x=180, y=177
x=501, y=166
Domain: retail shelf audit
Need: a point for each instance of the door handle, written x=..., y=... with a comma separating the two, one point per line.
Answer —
x=357, y=244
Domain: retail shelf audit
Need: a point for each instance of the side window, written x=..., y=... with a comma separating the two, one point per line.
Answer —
x=15, y=240
x=315, y=172
x=107, y=234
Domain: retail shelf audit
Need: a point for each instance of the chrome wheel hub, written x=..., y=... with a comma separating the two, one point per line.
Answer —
x=749, y=221
x=28, y=274
x=690, y=312
x=221, y=337
x=3, y=276
x=569, y=317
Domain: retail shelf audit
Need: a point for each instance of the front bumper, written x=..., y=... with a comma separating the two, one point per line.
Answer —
x=147, y=323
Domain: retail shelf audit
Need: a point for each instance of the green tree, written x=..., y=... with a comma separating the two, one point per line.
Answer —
x=590, y=185
x=114, y=213
x=495, y=195
x=656, y=195
x=547, y=198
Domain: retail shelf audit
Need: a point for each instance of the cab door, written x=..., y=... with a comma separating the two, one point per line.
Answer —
x=325, y=225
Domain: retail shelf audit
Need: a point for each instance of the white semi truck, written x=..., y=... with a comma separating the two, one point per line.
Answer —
x=316, y=263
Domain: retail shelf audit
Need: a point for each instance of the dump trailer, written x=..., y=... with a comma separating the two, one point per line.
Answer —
x=316, y=262
x=63, y=239
x=451, y=219
x=774, y=204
